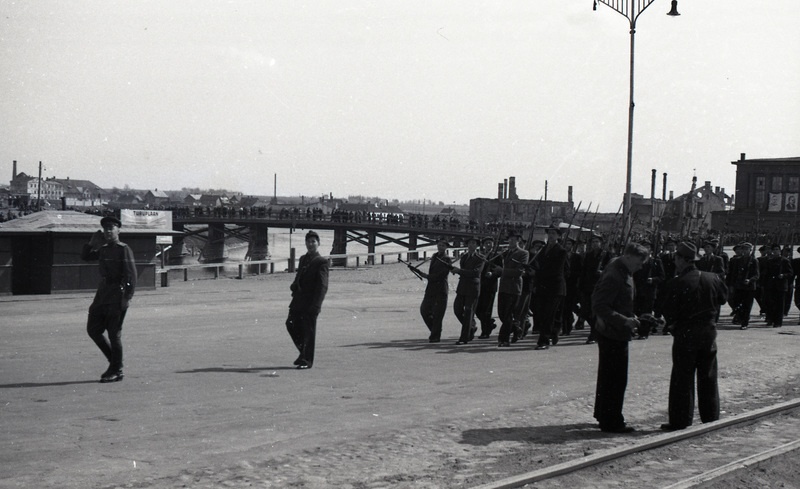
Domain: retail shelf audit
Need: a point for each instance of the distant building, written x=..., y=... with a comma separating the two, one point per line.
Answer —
x=82, y=193
x=521, y=211
x=767, y=192
x=693, y=211
x=154, y=198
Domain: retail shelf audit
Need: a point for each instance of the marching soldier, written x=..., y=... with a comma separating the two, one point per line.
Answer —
x=550, y=287
x=434, y=303
x=469, y=271
x=777, y=272
x=594, y=262
x=742, y=278
x=488, y=289
x=515, y=259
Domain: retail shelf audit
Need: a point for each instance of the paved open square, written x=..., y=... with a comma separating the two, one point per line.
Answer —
x=211, y=399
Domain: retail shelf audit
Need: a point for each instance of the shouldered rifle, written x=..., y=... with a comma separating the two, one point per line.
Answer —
x=411, y=267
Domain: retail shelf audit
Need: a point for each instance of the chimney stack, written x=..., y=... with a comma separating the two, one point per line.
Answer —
x=694, y=183
x=569, y=194
x=671, y=194
x=512, y=188
x=505, y=188
x=653, y=186
x=14, y=171
x=742, y=157
x=500, y=191
x=708, y=184
x=664, y=190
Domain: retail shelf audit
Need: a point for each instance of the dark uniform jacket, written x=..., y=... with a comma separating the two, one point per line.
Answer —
x=713, y=264
x=514, y=263
x=668, y=262
x=489, y=277
x=742, y=268
x=437, y=274
x=551, y=268
x=612, y=301
x=117, y=273
x=594, y=262
x=469, y=280
x=692, y=303
x=777, y=273
x=652, y=269
x=310, y=284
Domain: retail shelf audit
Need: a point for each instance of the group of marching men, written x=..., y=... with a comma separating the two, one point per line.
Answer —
x=541, y=285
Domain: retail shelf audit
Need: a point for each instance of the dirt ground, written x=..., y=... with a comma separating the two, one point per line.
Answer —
x=210, y=398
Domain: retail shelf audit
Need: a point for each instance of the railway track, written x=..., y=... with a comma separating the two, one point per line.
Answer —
x=708, y=455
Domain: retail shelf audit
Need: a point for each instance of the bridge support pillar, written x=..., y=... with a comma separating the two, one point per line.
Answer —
x=339, y=247
x=372, y=238
x=214, y=251
x=258, y=247
x=178, y=251
x=412, y=247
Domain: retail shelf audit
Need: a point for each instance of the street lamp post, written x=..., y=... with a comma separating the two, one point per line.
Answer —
x=631, y=10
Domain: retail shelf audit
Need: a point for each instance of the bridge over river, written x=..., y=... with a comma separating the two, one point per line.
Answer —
x=214, y=231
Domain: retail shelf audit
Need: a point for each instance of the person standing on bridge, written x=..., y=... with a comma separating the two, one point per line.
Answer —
x=434, y=303
x=308, y=291
x=114, y=293
x=691, y=306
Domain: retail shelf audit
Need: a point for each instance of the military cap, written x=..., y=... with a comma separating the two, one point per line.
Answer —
x=488, y=239
x=475, y=239
x=538, y=241
x=745, y=244
x=687, y=250
x=646, y=242
x=110, y=221
x=312, y=234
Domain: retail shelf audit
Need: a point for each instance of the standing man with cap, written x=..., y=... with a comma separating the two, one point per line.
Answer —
x=691, y=306
x=434, y=303
x=308, y=291
x=114, y=293
x=615, y=323
x=469, y=271
x=777, y=272
x=594, y=263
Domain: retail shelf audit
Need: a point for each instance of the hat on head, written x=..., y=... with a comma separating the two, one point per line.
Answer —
x=538, y=241
x=110, y=221
x=475, y=239
x=570, y=239
x=745, y=244
x=513, y=233
x=687, y=251
x=596, y=236
x=774, y=245
x=488, y=239
x=312, y=234
x=443, y=239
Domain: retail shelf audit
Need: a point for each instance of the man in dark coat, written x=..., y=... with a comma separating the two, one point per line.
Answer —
x=595, y=261
x=485, y=306
x=776, y=273
x=612, y=302
x=549, y=288
x=691, y=307
x=114, y=293
x=647, y=280
x=434, y=303
x=742, y=278
x=710, y=262
x=571, y=298
x=515, y=259
x=469, y=271
x=308, y=291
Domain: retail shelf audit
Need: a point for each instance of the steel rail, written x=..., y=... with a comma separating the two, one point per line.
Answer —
x=577, y=464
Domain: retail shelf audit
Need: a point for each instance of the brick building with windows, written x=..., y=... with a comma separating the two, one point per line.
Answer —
x=767, y=192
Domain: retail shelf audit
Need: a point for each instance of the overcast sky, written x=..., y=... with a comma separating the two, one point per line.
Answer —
x=403, y=99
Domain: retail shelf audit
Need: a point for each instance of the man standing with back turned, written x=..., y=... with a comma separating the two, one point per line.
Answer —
x=114, y=293
x=691, y=306
x=308, y=291
x=612, y=303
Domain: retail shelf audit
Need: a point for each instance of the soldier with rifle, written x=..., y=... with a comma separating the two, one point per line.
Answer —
x=488, y=290
x=514, y=261
x=594, y=262
x=743, y=274
x=469, y=271
x=434, y=303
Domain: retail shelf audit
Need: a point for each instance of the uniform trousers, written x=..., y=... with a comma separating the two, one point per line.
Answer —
x=432, y=310
x=612, y=380
x=742, y=300
x=107, y=318
x=483, y=311
x=693, y=355
x=464, y=309
x=772, y=302
x=302, y=327
x=506, y=310
x=545, y=312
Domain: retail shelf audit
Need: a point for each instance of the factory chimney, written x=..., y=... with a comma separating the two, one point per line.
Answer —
x=664, y=190
x=505, y=188
x=512, y=188
x=569, y=194
x=653, y=186
x=500, y=191
x=14, y=171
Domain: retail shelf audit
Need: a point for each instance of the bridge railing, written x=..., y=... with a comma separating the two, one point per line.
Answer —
x=241, y=269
